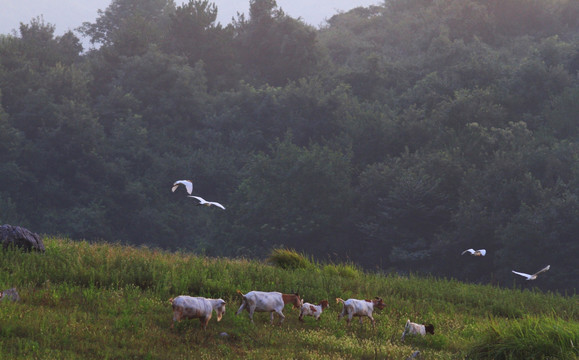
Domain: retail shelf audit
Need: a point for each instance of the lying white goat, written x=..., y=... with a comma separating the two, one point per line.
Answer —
x=417, y=329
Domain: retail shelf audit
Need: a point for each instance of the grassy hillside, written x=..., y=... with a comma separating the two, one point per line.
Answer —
x=99, y=301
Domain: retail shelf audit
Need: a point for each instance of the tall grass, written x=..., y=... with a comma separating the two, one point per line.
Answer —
x=545, y=337
x=98, y=300
x=289, y=259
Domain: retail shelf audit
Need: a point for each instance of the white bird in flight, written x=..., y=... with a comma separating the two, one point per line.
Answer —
x=207, y=203
x=187, y=183
x=473, y=252
x=534, y=276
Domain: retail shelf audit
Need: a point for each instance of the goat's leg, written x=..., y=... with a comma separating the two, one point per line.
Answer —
x=204, y=322
x=241, y=308
x=251, y=311
x=281, y=316
x=177, y=314
x=373, y=321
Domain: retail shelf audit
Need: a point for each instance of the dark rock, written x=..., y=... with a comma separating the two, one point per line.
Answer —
x=9, y=295
x=20, y=237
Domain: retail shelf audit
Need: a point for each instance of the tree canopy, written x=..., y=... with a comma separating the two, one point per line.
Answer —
x=395, y=136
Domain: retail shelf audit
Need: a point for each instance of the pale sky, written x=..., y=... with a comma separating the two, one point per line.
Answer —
x=69, y=14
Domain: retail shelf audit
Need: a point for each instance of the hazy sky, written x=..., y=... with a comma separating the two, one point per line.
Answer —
x=70, y=14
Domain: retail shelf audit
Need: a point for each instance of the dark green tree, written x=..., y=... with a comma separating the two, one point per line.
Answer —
x=408, y=203
x=273, y=47
x=279, y=201
x=130, y=26
x=195, y=35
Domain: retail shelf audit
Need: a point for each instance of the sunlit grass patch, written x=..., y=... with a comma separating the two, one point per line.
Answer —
x=345, y=270
x=289, y=259
x=528, y=338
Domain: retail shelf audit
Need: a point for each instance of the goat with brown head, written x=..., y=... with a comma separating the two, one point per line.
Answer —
x=293, y=299
x=360, y=308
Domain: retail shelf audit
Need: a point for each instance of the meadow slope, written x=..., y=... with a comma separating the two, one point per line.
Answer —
x=85, y=300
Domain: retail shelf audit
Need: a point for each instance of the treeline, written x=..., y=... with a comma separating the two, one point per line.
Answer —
x=396, y=136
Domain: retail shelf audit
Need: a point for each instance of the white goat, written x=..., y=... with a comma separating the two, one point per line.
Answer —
x=360, y=308
x=196, y=307
x=267, y=302
x=417, y=329
x=313, y=310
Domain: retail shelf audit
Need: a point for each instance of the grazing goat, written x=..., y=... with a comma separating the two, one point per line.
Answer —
x=417, y=329
x=196, y=307
x=354, y=307
x=267, y=302
x=313, y=310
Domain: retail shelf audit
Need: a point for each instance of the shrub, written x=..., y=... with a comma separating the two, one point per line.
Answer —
x=345, y=270
x=289, y=259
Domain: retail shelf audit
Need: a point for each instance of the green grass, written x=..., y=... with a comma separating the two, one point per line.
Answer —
x=108, y=301
x=289, y=259
x=533, y=337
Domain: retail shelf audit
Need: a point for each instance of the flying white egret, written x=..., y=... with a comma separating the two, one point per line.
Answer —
x=187, y=183
x=534, y=276
x=207, y=203
x=473, y=252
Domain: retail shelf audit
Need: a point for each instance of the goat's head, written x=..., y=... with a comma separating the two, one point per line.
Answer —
x=324, y=304
x=293, y=299
x=379, y=303
x=297, y=301
x=220, y=310
x=429, y=328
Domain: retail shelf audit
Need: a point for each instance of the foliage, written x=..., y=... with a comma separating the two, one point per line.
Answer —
x=393, y=137
x=288, y=259
x=273, y=47
x=296, y=177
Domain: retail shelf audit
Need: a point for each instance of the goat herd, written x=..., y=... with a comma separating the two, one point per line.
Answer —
x=187, y=307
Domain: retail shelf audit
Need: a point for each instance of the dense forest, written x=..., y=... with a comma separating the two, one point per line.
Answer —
x=394, y=136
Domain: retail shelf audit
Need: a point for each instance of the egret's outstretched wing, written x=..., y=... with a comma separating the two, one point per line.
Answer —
x=523, y=274
x=468, y=251
x=187, y=183
x=483, y=252
x=201, y=200
x=543, y=269
x=217, y=204
x=207, y=203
